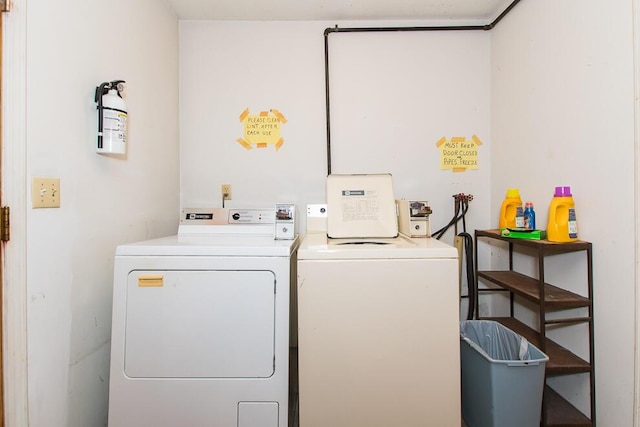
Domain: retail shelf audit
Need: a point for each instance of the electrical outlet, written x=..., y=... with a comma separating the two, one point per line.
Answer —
x=226, y=191
x=45, y=192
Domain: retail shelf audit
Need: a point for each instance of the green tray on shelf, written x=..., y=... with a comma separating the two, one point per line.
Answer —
x=522, y=233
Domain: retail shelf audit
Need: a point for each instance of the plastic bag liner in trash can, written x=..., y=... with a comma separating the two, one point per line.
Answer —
x=502, y=376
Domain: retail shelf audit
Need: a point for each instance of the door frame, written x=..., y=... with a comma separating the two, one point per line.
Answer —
x=636, y=141
x=14, y=194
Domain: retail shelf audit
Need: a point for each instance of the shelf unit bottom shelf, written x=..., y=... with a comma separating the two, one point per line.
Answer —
x=559, y=412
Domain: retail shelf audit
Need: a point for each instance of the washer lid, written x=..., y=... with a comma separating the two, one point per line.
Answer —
x=319, y=246
x=210, y=245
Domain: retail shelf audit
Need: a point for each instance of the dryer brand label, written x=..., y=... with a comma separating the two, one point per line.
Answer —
x=196, y=216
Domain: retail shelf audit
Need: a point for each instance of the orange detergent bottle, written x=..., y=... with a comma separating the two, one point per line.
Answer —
x=562, y=225
x=509, y=207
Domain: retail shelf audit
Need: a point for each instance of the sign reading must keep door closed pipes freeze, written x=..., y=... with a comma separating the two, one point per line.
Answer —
x=458, y=153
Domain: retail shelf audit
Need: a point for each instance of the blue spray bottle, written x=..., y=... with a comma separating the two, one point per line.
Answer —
x=529, y=216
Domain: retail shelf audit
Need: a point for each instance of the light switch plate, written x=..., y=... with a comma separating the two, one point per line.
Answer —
x=45, y=192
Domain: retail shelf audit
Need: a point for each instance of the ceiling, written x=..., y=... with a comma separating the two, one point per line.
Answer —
x=484, y=11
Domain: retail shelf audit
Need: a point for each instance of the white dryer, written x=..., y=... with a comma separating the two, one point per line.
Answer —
x=378, y=332
x=200, y=331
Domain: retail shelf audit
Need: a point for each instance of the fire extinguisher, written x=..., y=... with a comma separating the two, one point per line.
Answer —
x=112, y=118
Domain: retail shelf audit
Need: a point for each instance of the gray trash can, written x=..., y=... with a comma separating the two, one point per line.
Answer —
x=502, y=376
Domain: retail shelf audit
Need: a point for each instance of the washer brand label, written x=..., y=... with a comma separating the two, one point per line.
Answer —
x=353, y=192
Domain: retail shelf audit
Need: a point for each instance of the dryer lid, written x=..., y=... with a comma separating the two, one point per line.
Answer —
x=211, y=245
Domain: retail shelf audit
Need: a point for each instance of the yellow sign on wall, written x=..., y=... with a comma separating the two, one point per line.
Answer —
x=458, y=153
x=262, y=130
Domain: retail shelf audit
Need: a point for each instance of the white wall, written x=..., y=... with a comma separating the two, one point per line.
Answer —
x=73, y=46
x=226, y=67
x=562, y=114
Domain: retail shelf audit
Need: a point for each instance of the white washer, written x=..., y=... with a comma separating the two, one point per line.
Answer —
x=378, y=332
x=200, y=331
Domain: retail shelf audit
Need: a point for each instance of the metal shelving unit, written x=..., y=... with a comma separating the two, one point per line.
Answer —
x=556, y=411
